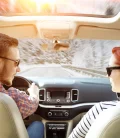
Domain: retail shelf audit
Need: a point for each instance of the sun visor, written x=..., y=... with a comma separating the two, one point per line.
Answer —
x=19, y=31
x=88, y=32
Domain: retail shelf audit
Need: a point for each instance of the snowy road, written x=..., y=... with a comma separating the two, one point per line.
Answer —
x=59, y=71
x=46, y=72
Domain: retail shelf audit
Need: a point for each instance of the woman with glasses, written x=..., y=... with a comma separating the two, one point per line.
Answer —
x=113, y=72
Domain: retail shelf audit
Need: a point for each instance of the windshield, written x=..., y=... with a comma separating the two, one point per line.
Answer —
x=65, y=7
x=71, y=58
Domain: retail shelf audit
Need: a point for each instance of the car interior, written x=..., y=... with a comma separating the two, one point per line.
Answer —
x=65, y=53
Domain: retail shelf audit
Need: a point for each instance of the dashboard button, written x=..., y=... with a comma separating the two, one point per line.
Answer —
x=66, y=113
x=49, y=113
x=57, y=114
x=48, y=100
x=67, y=101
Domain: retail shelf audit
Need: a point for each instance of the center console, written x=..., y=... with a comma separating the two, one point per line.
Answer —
x=51, y=102
x=52, y=99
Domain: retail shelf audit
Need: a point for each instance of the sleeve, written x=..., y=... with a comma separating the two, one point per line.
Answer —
x=85, y=123
x=26, y=104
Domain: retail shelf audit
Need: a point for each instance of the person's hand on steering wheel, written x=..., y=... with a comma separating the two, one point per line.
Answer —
x=33, y=91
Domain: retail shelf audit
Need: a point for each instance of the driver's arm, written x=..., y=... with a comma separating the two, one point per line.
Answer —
x=26, y=104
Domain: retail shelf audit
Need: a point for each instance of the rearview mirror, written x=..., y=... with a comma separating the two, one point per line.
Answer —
x=60, y=46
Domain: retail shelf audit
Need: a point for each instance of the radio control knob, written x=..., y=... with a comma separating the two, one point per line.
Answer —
x=58, y=100
x=66, y=114
x=49, y=113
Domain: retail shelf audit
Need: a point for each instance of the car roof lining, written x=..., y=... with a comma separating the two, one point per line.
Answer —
x=61, y=27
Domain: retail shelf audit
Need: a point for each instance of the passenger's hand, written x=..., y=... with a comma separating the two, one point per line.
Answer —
x=34, y=91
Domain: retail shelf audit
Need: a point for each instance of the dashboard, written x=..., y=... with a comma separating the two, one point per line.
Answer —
x=62, y=98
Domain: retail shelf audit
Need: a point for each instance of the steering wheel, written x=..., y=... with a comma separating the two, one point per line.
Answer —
x=20, y=83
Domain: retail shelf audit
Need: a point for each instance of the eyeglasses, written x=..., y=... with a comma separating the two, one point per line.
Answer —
x=17, y=62
x=109, y=69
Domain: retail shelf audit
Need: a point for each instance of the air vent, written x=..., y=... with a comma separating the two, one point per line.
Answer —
x=74, y=95
x=42, y=94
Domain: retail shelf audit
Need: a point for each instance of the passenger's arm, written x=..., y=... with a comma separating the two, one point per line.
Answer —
x=85, y=123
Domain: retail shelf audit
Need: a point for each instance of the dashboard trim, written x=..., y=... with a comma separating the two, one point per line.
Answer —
x=69, y=106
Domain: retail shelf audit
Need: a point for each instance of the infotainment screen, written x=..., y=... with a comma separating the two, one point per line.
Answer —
x=58, y=94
